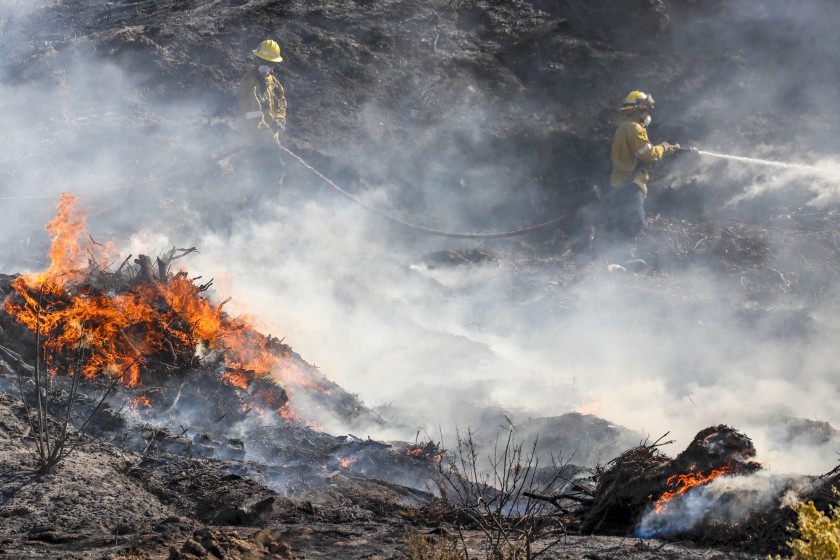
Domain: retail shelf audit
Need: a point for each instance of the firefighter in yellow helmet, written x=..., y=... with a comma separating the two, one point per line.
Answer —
x=632, y=156
x=262, y=111
x=262, y=100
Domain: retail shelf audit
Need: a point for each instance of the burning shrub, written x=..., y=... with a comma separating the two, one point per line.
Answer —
x=138, y=327
x=142, y=321
x=616, y=498
x=645, y=491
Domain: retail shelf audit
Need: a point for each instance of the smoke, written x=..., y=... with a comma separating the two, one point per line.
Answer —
x=431, y=344
x=15, y=8
x=816, y=185
x=725, y=501
x=440, y=346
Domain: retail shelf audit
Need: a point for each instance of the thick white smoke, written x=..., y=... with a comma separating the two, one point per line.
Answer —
x=434, y=345
x=724, y=501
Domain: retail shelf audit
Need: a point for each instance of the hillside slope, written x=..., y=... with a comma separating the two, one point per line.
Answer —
x=463, y=116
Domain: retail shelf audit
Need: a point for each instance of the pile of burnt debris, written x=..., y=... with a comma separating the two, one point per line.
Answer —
x=127, y=356
x=642, y=492
x=713, y=493
x=182, y=406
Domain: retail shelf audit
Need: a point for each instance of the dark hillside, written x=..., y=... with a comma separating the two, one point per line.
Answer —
x=454, y=115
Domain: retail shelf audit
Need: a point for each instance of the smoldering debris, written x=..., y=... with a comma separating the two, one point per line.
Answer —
x=713, y=493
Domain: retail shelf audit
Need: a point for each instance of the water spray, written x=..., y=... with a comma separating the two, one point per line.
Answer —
x=756, y=161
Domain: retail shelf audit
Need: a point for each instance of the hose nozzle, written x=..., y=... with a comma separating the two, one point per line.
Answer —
x=688, y=149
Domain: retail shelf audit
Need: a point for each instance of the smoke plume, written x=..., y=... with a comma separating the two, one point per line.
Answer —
x=430, y=343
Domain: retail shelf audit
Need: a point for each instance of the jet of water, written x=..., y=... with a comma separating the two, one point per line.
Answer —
x=756, y=161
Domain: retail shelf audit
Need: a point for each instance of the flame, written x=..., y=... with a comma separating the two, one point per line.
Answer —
x=682, y=483
x=593, y=408
x=236, y=378
x=142, y=400
x=428, y=450
x=287, y=413
x=291, y=376
x=66, y=254
x=346, y=462
x=75, y=308
x=76, y=321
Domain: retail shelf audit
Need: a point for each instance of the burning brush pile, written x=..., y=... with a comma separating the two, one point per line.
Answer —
x=712, y=493
x=136, y=331
x=143, y=325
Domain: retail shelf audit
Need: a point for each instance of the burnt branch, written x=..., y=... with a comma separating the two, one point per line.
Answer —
x=507, y=498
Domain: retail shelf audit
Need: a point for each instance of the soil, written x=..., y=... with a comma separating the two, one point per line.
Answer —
x=526, y=89
x=107, y=501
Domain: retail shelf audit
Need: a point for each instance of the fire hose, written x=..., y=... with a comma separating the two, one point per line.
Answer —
x=417, y=227
x=525, y=230
x=428, y=230
x=332, y=184
x=328, y=181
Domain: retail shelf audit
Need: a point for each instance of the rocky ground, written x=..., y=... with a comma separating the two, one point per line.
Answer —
x=507, y=107
x=165, y=501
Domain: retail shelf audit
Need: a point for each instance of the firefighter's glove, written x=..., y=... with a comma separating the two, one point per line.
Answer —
x=280, y=125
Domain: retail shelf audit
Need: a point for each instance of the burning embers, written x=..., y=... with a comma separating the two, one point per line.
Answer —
x=645, y=491
x=429, y=450
x=714, y=452
x=682, y=483
x=131, y=322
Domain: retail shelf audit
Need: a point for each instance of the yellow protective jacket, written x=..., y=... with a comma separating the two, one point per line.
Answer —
x=262, y=100
x=632, y=154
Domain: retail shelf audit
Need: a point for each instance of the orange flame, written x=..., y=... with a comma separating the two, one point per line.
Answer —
x=143, y=401
x=682, y=483
x=346, y=462
x=236, y=378
x=162, y=318
x=287, y=413
x=428, y=451
x=66, y=254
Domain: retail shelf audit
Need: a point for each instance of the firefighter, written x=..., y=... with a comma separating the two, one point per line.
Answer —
x=632, y=157
x=262, y=111
x=262, y=100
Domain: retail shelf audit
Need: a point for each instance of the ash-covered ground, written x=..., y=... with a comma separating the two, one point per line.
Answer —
x=464, y=116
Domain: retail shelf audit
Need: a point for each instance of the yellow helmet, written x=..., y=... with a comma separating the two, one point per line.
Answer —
x=637, y=100
x=269, y=50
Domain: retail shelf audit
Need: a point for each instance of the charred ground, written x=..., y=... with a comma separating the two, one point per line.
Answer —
x=525, y=90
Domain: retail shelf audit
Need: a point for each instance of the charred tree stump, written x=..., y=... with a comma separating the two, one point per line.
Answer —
x=146, y=273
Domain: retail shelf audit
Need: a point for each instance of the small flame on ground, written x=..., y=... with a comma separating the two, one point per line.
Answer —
x=141, y=401
x=428, y=451
x=346, y=462
x=287, y=413
x=682, y=483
